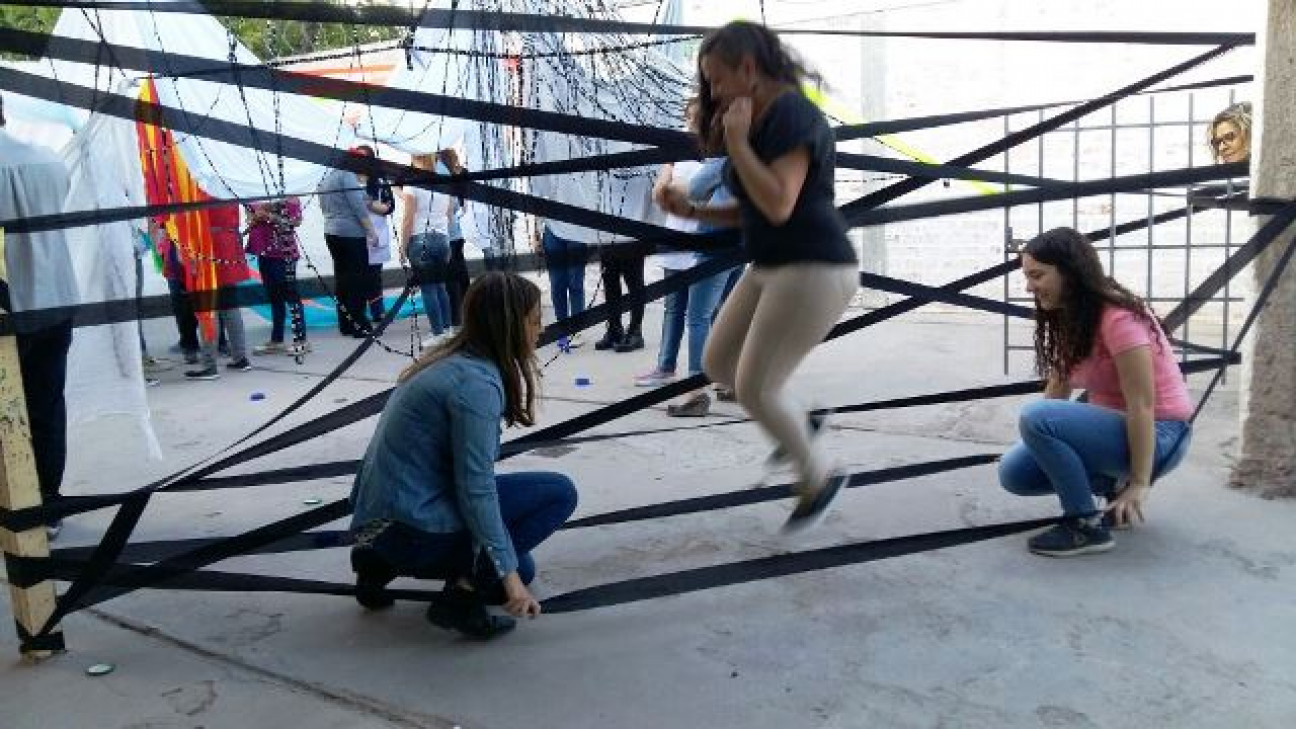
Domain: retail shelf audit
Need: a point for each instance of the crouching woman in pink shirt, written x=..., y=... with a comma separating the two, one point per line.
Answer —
x=1095, y=334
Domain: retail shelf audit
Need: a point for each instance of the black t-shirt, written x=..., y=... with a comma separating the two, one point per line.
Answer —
x=379, y=191
x=816, y=231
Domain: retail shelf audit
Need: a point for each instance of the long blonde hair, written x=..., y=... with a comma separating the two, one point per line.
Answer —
x=495, y=311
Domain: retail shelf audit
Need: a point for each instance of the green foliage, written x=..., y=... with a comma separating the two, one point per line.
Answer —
x=266, y=38
x=25, y=17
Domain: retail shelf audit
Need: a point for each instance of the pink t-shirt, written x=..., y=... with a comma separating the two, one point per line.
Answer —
x=1120, y=331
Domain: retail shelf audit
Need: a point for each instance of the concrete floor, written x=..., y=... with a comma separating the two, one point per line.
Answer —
x=1187, y=623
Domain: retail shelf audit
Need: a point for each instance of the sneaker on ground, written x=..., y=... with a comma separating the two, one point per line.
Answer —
x=1073, y=535
x=654, y=378
x=271, y=347
x=812, y=505
x=206, y=373
x=240, y=365
x=630, y=342
x=611, y=338
x=372, y=576
x=464, y=611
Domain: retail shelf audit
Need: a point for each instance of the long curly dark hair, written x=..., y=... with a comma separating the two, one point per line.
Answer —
x=729, y=43
x=1064, y=336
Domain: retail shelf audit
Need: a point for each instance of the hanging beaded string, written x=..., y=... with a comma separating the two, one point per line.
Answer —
x=296, y=312
x=606, y=59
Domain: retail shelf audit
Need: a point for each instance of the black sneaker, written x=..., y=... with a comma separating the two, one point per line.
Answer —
x=240, y=365
x=630, y=342
x=611, y=338
x=372, y=575
x=1072, y=536
x=206, y=373
x=463, y=610
x=811, y=506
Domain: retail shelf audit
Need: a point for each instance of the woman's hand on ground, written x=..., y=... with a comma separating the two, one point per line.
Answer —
x=518, y=599
x=1128, y=505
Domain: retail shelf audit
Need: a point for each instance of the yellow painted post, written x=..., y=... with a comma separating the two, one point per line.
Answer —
x=20, y=489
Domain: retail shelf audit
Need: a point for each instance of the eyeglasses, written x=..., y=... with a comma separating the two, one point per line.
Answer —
x=1229, y=137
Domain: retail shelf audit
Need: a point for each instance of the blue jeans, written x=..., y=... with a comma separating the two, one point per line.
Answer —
x=692, y=308
x=533, y=504
x=431, y=255
x=1076, y=450
x=566, y=264
x=281, y=290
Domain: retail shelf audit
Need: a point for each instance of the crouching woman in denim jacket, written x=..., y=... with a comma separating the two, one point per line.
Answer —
x=1093, y=333
x=427, y=500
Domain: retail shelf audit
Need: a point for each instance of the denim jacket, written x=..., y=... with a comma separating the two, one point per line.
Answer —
x=431, y=463
x=708, y=186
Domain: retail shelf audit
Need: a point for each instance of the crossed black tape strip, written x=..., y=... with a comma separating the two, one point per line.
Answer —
x=89, y=586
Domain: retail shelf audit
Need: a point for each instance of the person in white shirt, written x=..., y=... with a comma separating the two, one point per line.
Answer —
x=38, y=285
x=425, y=243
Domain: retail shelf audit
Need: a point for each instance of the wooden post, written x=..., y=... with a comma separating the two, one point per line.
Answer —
x=1267, y=457
x=20, y=489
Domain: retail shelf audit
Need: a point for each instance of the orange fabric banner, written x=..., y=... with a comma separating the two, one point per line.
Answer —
x=202, y=248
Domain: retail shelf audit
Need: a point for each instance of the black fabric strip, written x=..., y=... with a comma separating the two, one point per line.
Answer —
x=895, y=126
x=18, y=572
x=932, y=294
x=1265, y=292
x=874, y=163
x=28, y=643
x=891, y=192
x=617, y=593
x=1235, y=263
x=125, y=107
x=306, y=541
x=479, y=20
x=218, y=581
x=154, y=551
x=26, y=518
x=781, y=565
x=196, y=559
x=1059, y=191
x=129, y=108
x=273, y=79
x=104, y=556
x=746, y=497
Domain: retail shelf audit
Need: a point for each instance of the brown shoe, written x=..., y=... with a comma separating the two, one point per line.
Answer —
x=697, y=406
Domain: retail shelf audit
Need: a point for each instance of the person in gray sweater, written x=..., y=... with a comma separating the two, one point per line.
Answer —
x=349, y=235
